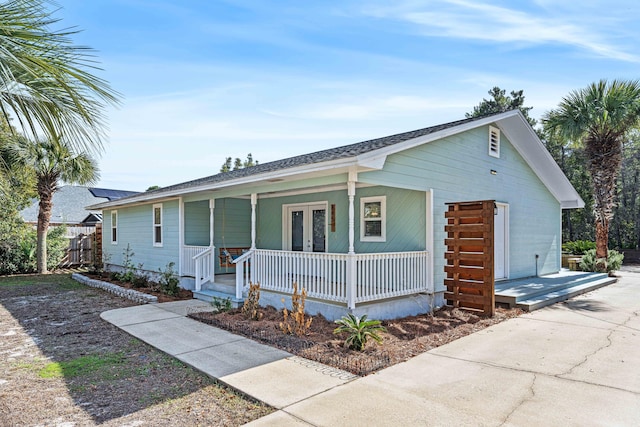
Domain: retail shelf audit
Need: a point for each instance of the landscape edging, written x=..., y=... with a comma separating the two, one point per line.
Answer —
x=130, y=294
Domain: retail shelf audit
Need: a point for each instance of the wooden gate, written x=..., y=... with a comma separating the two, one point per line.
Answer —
x=79, y=251
x=469, y=255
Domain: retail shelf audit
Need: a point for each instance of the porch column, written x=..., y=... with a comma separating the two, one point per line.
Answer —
x=254, y=202
x=351, y=256
x=181, y=236
x=212, y=206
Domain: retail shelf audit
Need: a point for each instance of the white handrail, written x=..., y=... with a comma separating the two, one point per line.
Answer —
x=243, y=271
x=242, y=257
x=204, y=267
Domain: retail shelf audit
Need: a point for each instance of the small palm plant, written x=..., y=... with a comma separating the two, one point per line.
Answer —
x=359, y=330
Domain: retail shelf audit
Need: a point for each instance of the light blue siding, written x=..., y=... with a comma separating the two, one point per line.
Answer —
x=196, y=223
x=458, y=168
x=135, y=228
x=406, y=219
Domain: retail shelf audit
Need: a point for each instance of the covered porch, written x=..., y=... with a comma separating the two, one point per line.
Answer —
x=291, y=237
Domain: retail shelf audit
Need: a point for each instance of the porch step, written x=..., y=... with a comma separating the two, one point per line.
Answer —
x=224, y=288
x=563, y=294
x=513, y=292
x=208, y=295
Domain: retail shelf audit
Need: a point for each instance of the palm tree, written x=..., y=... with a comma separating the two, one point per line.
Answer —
x=44, y=79
x=599, y=118
x=53, y=161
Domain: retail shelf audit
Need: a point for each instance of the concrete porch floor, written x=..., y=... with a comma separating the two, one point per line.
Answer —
x=533, y=293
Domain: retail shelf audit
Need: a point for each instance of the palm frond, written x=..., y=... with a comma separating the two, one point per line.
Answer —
x=46, y=82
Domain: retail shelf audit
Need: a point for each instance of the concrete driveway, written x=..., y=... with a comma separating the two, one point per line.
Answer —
x=571, y=364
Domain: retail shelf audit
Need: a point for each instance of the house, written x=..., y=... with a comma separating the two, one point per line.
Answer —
x=360, y=227
x=69, y=206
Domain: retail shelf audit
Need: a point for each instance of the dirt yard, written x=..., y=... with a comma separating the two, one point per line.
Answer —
x=60, y=364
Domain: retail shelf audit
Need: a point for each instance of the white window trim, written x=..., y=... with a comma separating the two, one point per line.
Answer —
x=114, y=212
x=383, y=219
x=494, y=147
x=154, y=225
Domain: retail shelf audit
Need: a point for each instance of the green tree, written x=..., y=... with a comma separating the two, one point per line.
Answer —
x=577, y=224
x=500, y=102
x=624, y=230
x=17, y=188
x=599, y=118
x=53, y=161
x=45, y=80
x=238, y=163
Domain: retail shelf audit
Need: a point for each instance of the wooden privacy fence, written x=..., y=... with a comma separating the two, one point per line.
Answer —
x=83, y=248
x=469, y=256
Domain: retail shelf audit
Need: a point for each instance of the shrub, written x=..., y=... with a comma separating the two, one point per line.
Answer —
x=578, y=247
x=18, y=248
x=129, y=272
x=252, y=303
x=295, y=321
x=221, y=305
x=57, y=245
x=97, y=265
x=359, y=330
x=591, y=263
x=140, y=278
x=168, y=280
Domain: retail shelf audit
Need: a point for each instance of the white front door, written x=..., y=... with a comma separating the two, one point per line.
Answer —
x=306, y=228
x=500, y=241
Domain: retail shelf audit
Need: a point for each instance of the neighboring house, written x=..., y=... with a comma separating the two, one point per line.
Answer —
x=69, y=206
x=360, y=227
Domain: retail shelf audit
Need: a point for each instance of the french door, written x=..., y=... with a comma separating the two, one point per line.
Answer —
x=305, y=227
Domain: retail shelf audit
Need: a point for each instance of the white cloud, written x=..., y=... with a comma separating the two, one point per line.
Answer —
x=481, y=21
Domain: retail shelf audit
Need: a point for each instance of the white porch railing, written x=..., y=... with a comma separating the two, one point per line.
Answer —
x=188, y=263
x=342, y=278
x=204, y=270
x=389, y=275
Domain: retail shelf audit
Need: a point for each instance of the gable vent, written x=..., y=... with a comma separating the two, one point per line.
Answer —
x=494, y=141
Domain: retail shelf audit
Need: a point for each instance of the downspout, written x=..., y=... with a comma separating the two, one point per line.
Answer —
x=429, y=246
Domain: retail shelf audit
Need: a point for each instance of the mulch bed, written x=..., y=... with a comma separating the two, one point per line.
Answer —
x=405, y=338
x=183, y=294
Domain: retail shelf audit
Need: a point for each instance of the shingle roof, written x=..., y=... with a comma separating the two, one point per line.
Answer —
x=69, y=204
x=330, y=154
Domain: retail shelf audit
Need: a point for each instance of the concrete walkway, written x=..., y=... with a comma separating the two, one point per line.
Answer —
x=272, y=376
x=572, y=364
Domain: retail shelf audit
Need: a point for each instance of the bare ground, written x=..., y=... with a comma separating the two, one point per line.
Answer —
x=60, y=364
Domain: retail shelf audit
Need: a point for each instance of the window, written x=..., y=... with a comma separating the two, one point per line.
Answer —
x=494, y=142
x=373, y=221
x=114, y=227
x=157, y=225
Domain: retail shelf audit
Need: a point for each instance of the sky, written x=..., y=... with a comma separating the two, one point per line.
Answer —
x=205, y=80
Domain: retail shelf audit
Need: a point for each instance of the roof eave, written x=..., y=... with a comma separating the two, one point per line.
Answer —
x=329, y=166
x=531, y=148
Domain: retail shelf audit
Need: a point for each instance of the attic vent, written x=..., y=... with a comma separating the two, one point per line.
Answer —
x=494, y=142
